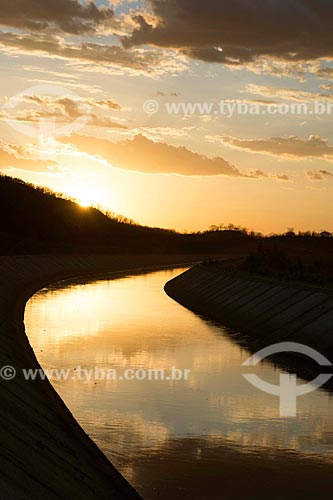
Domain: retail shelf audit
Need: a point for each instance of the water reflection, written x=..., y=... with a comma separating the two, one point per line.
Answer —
x=210, y=426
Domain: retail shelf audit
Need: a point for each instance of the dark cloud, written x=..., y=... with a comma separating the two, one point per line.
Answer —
x=105, y=56
x=67, y=16
x=233, y=32
x=238, y=31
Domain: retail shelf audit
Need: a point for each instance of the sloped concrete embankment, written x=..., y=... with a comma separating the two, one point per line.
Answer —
x=266, y=311
x=44, y=453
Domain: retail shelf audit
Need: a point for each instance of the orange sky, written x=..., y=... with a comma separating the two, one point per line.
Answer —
x=167, y=123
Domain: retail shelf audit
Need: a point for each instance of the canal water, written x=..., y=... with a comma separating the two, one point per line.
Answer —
x=210, y=435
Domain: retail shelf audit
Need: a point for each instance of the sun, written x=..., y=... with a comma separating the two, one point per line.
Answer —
x=86, y=198
x=89, y=191
x=84, y=203
x=85, y=195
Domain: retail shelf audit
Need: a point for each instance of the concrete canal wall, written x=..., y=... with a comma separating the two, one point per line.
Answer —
x=266, y=311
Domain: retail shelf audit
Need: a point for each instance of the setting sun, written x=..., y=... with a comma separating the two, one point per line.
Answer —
x=86, y=194
x=84, y=203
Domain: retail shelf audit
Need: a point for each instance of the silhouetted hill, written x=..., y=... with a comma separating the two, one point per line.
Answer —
x=35, y=220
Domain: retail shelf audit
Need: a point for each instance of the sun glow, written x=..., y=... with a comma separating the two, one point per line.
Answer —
x=87, y=193
x=85, y=203
x=85, y=198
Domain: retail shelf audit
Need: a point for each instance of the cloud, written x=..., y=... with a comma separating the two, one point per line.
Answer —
x=261, y=102
x=63, y=109
x=282, y=177
x=68, y=16
x=108, y=104
x=290, y=147
x=16, y=156
x=288, y=94
x=166, y=94
x=237, y=32
x=60, y=83
x=101, y=56
x=318, y=175
x=328, y=86
x=260, y=173
x=159, y=133
x=71, y=106
x=144, y=155
x=324, y=72
x=260, y=34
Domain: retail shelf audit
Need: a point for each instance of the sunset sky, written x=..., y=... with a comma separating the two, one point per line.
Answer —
x=87, y=91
